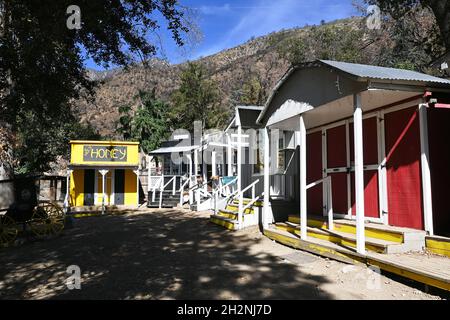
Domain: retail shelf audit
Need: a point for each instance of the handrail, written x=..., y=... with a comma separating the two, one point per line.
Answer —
x=249, y=186
x=326, y=180
x=219, y=190
x=163, y=187
x=200, y=185
x=182, y=190
x=230, y=196
x=157, y=185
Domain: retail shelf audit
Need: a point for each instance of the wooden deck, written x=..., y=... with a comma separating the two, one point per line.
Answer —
x=426, y=268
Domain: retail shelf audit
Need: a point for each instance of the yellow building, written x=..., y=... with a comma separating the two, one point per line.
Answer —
x=94, y=164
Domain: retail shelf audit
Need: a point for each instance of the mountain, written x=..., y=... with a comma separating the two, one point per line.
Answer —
x=259, y=58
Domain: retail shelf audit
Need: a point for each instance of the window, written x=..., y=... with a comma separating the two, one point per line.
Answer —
x=258, y=164
x=281, y=154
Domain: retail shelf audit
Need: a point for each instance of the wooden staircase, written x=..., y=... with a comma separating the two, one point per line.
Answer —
x=228, y=217
x=379, y=238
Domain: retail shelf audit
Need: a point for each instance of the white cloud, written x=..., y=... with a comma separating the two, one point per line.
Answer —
x=215, y=10
x=265, y=16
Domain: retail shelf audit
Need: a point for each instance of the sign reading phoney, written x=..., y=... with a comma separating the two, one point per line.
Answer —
x=105, y=153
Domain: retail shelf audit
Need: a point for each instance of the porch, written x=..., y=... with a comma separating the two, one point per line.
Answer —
x=363, y=166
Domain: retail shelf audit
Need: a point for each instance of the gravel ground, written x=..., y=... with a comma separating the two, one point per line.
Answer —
x=178, y=254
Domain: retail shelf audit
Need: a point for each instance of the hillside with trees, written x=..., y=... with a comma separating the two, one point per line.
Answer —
x=246, y=74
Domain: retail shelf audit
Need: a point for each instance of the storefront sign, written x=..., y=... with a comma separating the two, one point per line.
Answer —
x=104, y=153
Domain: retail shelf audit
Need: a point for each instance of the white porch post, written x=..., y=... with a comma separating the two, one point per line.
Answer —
x=425, y=166
x=213, y=163
x=359, y=173
x=191, y=199
x=266, y=178
x=103, y=173
x=195, y=163
x=189, y=157
x=229, y=156
x=149, y=174
x=204, y=169
x=239, y=158
x=66, y=199
x=303, y=204
x=136, y=172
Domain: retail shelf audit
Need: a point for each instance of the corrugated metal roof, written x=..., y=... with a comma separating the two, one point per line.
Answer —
x=173, y=149
x=374, y=72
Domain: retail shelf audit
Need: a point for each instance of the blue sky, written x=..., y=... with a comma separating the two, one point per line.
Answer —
x=228, y=23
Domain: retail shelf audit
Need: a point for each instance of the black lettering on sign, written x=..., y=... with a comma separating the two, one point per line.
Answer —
x=105, y=153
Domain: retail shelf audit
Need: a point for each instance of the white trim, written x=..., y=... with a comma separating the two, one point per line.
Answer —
x=266, y=203
x=213, y=163
x=425, y=166
x=382, y=174
x=303, y=177
x=324, y=166
x=239, y=158
x=359, y=173
x=349, y=165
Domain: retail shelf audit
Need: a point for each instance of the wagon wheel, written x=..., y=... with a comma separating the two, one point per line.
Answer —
x=47, y=219
x=8, y=230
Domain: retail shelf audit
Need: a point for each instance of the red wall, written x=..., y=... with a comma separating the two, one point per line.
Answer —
x=403, y=168
x=337, y=157
x=370, y=152
x=314, y=171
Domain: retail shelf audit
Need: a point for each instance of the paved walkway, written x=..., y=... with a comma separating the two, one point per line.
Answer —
x=177, y=254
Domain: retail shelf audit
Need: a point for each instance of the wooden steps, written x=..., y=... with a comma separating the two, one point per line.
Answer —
x=379, y=238
x=230, y=224
x=258, y=203
x=228, y=217
x=371, y=230
x=429, y=270
x=438, y=245
x=344, y=239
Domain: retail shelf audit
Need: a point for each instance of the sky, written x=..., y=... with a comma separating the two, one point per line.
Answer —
x=227, y=23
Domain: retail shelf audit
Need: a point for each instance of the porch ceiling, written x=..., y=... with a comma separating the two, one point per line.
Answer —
x=343, y=108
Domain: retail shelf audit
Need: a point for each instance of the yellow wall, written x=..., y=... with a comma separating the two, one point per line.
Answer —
x=77, y=176
x=130, y=188
x=77, y=149
x=77, y=188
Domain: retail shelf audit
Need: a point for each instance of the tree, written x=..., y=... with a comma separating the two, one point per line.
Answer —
x=408, y=38
x=293, y=50
x=149, y=124
x=41, y=60
x=197, y=99
x=251, y=93
x=400, y=8
x=329, y=42
x=41, y=140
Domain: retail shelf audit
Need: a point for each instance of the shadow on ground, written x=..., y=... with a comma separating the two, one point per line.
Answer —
x=159, y=255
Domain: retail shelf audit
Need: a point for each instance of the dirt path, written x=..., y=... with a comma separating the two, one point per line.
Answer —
x=178, y=254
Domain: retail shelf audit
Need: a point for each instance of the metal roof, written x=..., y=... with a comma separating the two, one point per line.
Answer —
x=250, y=107
x=383, y=73
x=173, y=149
x=362, y=72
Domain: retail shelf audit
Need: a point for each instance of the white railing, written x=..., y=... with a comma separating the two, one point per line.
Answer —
x=199, y=190
x=241, y=200
x=182, y=186
x=156, y=185
x=173, y=180
x=327, y=183
x=219, y=191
